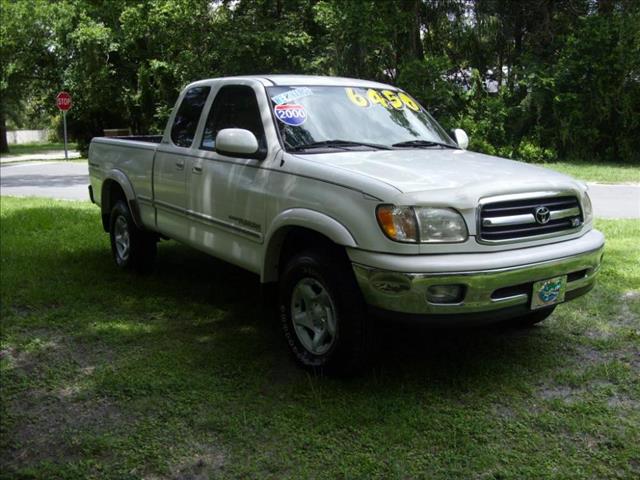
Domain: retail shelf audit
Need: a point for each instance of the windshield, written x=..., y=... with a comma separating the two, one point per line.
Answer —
x=343, y=118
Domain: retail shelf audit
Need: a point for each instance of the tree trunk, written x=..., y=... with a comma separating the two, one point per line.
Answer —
x=411, y=43
x=4, y=145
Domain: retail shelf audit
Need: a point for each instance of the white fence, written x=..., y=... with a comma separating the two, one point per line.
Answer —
x=27, y=136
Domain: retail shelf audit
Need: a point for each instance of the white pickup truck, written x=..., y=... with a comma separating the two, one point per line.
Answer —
x=349, y=197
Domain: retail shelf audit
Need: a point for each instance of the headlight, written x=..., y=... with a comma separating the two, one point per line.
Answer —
x=440, y=225
x=587, y=208
x=421, y=224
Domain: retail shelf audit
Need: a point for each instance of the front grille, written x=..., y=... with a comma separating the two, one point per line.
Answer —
x=523, y=218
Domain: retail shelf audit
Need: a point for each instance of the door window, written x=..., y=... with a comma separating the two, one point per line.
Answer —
x=235, y=106
x=188, y=116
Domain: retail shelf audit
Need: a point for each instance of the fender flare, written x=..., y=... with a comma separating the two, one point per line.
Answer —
x=301, y=218
x=119, y=177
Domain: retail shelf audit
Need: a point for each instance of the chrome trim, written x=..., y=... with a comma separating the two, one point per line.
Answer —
x=521, y=297
x=168, y=207
x=527, y=218
x=525, y=196
x=220, y=223
x=510, y=220
x=567, y=212
x=480, y=285
x=206, y=219
x=490, y=270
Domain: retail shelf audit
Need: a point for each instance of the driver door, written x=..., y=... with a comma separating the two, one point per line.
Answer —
x=227, y=192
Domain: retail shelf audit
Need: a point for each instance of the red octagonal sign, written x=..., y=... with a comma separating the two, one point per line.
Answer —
x=63, y=101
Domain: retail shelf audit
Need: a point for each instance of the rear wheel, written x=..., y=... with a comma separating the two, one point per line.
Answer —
x=322, y=313
x=132, y=248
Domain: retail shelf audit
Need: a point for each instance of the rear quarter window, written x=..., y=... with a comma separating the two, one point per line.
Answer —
x=187, y=117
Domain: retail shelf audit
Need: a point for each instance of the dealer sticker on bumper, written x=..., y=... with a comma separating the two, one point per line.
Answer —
x=548, y=292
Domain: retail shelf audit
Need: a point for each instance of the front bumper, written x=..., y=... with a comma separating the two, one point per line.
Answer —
x=503, y=284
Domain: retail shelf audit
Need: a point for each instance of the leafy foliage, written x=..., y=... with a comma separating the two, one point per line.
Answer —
x=536, y=80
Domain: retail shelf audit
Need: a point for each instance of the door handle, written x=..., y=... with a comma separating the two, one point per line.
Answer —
x=197, y=169
x=180, y=165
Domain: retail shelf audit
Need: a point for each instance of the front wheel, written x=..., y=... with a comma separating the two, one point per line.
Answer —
x=322, y=313
x=131, y=247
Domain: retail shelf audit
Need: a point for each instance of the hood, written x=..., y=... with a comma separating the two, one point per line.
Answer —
x=446, y=173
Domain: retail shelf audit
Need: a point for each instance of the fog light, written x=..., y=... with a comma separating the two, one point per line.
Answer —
x=445, y=293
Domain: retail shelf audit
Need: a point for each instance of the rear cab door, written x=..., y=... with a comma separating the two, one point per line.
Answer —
x=171, y=163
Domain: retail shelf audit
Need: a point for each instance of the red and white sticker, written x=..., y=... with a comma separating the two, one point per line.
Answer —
x=291, y=114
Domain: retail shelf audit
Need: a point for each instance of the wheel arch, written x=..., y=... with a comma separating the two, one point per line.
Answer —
x=296, y=228
x=116, y=186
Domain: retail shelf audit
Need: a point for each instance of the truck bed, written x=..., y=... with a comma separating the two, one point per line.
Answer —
x=131, y=154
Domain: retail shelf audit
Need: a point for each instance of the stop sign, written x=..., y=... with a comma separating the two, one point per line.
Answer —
x=63, y=101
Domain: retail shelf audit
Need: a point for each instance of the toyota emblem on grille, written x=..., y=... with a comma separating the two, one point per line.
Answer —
x=542, y=214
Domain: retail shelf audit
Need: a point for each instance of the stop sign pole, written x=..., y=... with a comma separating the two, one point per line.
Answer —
x=63, y=102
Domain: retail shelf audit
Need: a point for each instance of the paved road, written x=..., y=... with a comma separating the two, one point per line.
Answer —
x=615, y=201
x=70, y=180
x=66, y=180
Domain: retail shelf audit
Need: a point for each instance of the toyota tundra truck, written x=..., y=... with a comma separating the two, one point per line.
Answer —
x=353, y=202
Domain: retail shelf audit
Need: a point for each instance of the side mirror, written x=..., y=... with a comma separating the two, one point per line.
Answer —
x=236, y=141
x=461, y=138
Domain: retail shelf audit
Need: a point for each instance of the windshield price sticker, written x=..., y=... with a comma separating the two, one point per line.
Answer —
x=386, y=98
x=291, y=114
x=291, y=95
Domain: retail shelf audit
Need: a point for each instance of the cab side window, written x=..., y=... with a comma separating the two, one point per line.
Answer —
x=188, y=115
x=235, y=106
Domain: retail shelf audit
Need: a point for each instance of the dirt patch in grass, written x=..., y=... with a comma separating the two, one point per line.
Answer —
x=44, y=349
x=49, y=406
x=625, y=318
x=504, y=412
x=624, y=402
x=558, y=392
x=574, y=394
x=45, y=424
x=201, y=466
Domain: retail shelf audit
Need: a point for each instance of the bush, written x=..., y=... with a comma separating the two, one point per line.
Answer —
x=528, y=151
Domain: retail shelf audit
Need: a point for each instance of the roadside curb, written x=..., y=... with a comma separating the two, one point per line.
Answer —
x=51, y=155
x=40, y=162
x=598, y=184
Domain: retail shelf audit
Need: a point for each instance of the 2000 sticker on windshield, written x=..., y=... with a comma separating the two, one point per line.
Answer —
x=290, y=114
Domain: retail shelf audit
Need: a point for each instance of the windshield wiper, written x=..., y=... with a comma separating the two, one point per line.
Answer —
x=344, y=144
x=422, y=143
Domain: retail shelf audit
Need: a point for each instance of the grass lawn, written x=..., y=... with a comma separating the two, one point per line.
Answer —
x=601, y=173
x=180, y=374
x=29, y=148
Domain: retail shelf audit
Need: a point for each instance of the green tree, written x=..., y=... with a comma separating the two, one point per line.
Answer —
x=28, y=61
x=535, y=79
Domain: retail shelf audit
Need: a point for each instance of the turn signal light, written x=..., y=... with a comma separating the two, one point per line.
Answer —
x=398, y=223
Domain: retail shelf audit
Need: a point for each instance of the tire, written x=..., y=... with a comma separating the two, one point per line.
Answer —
x=131, y=247
x=532, y=318
x=322, y=314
